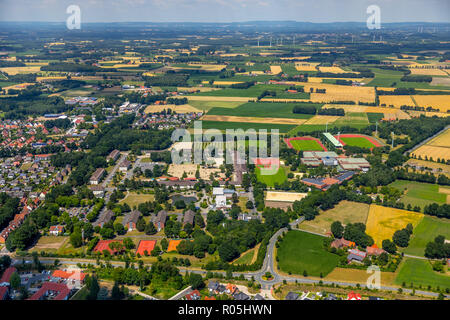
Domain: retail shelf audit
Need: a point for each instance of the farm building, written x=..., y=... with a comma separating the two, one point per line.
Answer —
x=356, y=255
x=56, y=230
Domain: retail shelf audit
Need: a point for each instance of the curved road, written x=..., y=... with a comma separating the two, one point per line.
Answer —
x=268, y=265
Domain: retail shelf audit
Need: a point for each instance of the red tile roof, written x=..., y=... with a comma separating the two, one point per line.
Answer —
x=62, y=291
x=74, y=275
x=7, y=274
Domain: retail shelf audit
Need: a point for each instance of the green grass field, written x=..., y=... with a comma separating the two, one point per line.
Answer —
x=207, y=105
x=254, y=92
x=428, y=229
x=358, y=142
x=418, y=193
x=420, y=272
x=221, y=125
x=374, y=117
x=270, y=180
x=300, y=251
x=306, y=145
x=263, y=110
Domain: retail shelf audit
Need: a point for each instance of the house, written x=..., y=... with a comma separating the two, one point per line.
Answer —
x=105, y=217
x=292, y=296
x=52, y=291
x=212, y=286
x=124, y=166
x=353, y=296
x=98, y=191
x=161, y=219
x=6, y=277
x=221, y=201
x=374, y=250
x=189, y=217
x=4, y=293
x=240, y=296
x=56, y=230
x=131, y=219
x=230, y=288
x=342, y=243
x=74, y=278
x=193, y=295
x=97, y=176
x=114, y=155
x=259, y=297
x=356, y=255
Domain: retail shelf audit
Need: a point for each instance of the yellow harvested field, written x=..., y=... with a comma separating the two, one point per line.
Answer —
x=318, y=119
x=396, y=101
x=442, y=140
x=284, y=196
x=399, y=115
x=383, y=222
x=209, y=67
x=18, y=86
x=432, y=152
x=275, y=69
x=177, y=170
x=184, y=108
x=332, y=70
x=208, y=98
x=345, y=211
x=436, y=167
x=438, y=147
x=16, y=70
x=306, y=66
x=295, y=58
x=315, y=79
x=340, y=93
x=358, y=108
x=414, y=113
x=358, y=276
x=441, y=102
x=428, y=72
x=253, y=119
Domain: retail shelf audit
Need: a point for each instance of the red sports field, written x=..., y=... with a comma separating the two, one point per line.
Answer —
x=173, y=244
x=145, y=245
x=104, y=245
x=358, y=140
x=309, y=144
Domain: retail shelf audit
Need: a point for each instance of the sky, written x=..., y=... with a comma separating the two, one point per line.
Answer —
x=225, y=10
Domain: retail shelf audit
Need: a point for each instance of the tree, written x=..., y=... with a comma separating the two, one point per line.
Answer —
x=140, y=225
x=227, y=252
x=337, y=229
x=15, y=281
x=116, y=294
x=93, y=287
x=164, y=244
x=76, y=240
x=389, y=246
x=401, y=238
x=150, y=228
x=119, y=228
x=196, y=281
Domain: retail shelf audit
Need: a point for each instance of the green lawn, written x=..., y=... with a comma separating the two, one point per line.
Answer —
x=418, y=193
x=222, y=125
x=270, y=180
x=420, y=272
x=358, y=142
x=306, y=145
x=428, y=229
x=300, y=251
x=264, y=110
